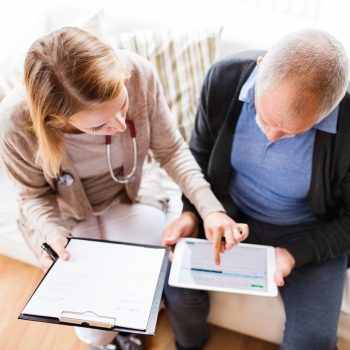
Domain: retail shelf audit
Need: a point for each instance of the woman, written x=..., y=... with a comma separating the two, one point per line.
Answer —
x=79, y=97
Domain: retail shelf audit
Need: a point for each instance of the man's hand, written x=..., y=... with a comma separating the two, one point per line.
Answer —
x=57, y=243
x=284, y=265
x=217, y=226
x=184, y=226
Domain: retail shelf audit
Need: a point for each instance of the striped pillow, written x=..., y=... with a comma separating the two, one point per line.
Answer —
x=181, y=60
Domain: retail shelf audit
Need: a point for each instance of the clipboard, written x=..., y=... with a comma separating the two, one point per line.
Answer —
x=91, y=319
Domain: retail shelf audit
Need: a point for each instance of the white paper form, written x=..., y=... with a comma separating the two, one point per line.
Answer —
x=242, y=267
x=111, y=280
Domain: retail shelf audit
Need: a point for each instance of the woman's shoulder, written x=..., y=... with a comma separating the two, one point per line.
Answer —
x=135, y=64
x=14, y=113
x=143, y=76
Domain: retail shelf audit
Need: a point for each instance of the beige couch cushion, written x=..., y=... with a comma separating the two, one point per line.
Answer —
x=181, y=60
x=264, y=317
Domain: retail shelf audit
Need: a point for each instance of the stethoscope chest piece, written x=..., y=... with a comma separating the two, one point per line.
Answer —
x=65, y=179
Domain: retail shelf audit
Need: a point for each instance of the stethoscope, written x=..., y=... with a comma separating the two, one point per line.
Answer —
x=66, y=179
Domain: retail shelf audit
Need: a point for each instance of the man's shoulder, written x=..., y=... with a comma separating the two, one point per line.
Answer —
x=235, y=65
x=344, y=111
x=226, y=77
x=347, y=94
x=240, y=58
x=345, y=105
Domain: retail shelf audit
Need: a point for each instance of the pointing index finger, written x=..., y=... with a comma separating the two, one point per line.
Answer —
x=217, y=244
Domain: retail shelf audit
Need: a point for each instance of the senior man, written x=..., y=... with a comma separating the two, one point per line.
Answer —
x=272, y=135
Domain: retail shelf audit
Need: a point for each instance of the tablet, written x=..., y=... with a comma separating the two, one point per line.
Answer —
x=246, y=268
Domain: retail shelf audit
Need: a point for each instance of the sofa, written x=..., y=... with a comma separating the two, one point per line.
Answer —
x=226, y=27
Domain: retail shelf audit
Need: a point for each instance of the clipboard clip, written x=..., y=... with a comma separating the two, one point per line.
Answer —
x=87, y=318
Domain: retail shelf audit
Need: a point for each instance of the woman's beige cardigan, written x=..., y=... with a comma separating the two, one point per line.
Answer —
x=47, y=208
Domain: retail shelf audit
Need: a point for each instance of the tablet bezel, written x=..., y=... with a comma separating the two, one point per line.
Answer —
x=272, y=289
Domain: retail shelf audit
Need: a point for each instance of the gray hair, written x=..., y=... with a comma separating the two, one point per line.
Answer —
x=313, y=60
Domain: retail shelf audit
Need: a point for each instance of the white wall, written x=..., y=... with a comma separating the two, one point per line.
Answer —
x=20, y=23
x=247, y=24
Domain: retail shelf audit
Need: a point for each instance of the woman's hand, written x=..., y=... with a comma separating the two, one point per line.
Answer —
x=57, y=243
x=184, y=226
x=224, y=232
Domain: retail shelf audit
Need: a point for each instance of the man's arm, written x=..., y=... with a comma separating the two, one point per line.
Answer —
x=329, y=240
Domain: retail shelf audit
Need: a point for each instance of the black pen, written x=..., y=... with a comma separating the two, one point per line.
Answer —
x=53, y=255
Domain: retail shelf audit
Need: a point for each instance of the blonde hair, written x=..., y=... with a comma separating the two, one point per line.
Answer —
x=65, y=72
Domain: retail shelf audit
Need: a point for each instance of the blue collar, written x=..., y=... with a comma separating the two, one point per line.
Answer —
x=247, y=94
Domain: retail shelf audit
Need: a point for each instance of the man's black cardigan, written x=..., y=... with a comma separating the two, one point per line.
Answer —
x=329, y=194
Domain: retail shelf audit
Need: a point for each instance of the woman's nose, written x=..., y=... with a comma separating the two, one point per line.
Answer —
x=118, y=123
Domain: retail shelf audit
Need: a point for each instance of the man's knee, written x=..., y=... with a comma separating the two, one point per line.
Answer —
x=312, y=340
x=185, y=298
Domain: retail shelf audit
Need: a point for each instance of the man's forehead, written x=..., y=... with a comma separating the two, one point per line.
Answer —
x=275, y=116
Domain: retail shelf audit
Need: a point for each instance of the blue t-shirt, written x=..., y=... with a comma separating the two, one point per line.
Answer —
x=270, y=180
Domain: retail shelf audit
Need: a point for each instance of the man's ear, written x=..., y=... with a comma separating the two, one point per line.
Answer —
x=259, y=60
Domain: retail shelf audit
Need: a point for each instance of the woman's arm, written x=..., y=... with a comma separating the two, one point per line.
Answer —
x=175, y=157
x=37, y=200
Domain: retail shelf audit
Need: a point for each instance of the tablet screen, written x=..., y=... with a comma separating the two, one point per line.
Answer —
x=243, y=268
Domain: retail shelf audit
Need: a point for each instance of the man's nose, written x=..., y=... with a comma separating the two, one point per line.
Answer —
x=274, y=135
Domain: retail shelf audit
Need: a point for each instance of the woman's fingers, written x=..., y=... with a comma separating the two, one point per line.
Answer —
x=45, y=261
x=230, y=239
x=62, y=252
x=234, y=234
x=224, y=232
x=217, y=245
x=57, y=243
x=243, y=230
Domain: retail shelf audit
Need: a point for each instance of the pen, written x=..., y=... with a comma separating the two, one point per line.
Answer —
x=53, y=255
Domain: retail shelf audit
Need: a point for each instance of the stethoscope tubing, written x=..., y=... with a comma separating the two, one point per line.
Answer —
x=131, y=176
x=66, y=179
